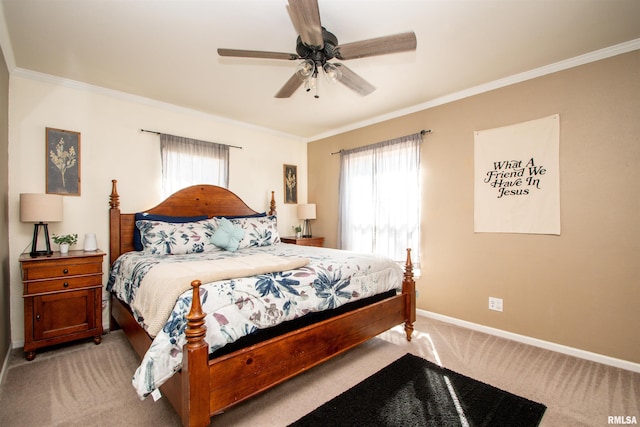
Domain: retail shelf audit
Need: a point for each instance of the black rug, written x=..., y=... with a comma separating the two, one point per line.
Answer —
x=415, y=392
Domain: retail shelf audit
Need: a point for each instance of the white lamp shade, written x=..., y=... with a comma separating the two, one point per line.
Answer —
x=307, y=211
x=40, y=207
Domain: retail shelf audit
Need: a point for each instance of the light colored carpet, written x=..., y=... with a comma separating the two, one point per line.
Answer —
x=88, y=385
x=78, y=385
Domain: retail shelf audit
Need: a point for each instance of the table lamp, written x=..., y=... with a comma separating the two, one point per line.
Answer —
x=306, y=212
x=40, y=209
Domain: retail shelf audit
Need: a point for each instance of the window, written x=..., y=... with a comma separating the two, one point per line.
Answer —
x=379, y=198
x=188, y=162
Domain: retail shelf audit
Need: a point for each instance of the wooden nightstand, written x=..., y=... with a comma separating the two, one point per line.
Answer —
x=304, y=241
x=62, y=299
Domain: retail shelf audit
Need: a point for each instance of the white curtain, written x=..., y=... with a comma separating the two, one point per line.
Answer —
x=188, y=162
x=379, y=198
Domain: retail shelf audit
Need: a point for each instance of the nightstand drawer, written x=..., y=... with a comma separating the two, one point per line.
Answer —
x=61, y=270
x=63, y=284
x=304, y=241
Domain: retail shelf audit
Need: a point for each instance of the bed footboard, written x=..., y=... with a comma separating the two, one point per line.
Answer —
x=211, y=386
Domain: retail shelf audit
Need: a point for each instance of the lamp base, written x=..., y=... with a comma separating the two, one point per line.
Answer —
x=40, y=253
x=34, y=243
x=306, y=228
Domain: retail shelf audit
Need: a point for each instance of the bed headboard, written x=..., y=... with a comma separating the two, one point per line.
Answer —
x=196, y=200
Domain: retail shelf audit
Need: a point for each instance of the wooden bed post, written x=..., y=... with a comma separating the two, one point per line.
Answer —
x=195, y=371
x=409, y=290
x=114, y=223
x=272, y=205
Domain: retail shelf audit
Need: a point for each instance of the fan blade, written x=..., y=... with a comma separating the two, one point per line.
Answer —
x=305, y=16
x=289, y=87
x=354, y=81
x=239, y=53
x=378, y=46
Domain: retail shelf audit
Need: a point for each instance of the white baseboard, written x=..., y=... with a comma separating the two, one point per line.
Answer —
x=582, y=354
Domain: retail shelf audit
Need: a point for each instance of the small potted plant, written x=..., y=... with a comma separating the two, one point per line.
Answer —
x=65, y=240
x=298, y=230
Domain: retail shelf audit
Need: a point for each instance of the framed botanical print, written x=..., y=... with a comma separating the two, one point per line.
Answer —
x=290, y=176
x=63, y=162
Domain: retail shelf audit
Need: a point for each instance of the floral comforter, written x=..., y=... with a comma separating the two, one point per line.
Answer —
x=239, y=307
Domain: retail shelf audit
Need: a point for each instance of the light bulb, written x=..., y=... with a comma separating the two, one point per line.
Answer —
x=305, y=69
x=332, y=72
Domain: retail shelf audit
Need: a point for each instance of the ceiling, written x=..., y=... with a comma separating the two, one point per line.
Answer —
x=165, y=50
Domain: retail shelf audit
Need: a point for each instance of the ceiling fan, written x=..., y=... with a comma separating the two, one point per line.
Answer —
x=315, y=46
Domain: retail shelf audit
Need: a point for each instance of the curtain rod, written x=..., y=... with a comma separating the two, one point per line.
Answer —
x=422, y=132
x=162, y=133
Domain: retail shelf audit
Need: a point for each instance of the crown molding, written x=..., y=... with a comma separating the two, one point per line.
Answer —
x=476, y=90
x=486, y=87
x=128, y=97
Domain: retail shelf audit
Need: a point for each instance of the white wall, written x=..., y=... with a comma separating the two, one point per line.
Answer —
x=113, y=147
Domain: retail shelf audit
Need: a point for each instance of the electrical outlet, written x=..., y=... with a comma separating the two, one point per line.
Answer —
x=495, y=304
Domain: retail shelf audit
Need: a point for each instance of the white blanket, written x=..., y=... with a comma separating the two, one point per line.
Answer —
x=164, y=283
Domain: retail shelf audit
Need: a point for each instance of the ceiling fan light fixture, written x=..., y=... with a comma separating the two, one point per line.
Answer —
x=306, y=69
x=332, y=72
x=315, y=46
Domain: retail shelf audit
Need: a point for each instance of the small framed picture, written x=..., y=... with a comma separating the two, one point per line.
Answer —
x=63, y=162
x=290, y=177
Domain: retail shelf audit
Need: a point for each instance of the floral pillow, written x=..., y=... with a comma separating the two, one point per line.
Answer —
x=162, y=238
x=258, y=231
x=137, y=242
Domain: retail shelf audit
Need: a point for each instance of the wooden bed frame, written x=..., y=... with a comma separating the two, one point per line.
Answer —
x=206, y=387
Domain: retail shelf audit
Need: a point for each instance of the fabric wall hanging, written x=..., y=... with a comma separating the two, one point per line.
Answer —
x=517, y=178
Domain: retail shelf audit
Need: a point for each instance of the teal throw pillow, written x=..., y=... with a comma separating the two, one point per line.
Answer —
x=227, y=236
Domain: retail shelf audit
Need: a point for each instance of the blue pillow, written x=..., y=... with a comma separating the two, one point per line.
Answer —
x=137, y=239
x=258, y=215
x=227, y=236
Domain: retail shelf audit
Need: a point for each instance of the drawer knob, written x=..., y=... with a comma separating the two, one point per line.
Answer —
x=37, y=317
x=65, y=271
x=65, y=284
